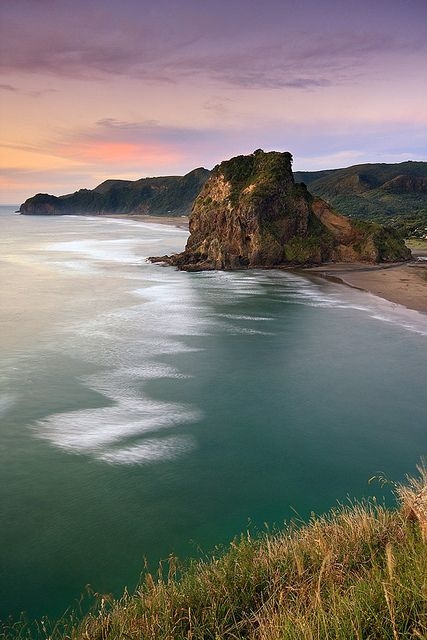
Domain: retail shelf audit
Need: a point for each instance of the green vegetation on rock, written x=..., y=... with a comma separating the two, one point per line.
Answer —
x=303, y=250
x=168, y=196
x=391, y=194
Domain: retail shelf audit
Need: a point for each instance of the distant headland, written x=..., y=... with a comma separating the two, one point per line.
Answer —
x=159, y=196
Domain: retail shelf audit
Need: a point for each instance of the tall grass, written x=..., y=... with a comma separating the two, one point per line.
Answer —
x=358, y=573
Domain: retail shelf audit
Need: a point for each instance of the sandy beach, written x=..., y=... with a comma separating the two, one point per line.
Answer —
x=402, y=283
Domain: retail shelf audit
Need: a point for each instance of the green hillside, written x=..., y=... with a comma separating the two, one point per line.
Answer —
x=171, y=195
x=391, y=194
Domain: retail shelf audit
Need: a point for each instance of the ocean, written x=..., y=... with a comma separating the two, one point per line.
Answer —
x=148, y=412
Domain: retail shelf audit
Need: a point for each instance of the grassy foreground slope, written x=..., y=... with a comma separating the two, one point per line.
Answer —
x=358, y=573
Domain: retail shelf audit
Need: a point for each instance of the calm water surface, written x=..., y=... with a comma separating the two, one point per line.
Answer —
x=146, y=411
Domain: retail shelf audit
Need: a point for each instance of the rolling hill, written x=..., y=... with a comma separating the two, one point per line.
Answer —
x=391, y=194
x=167, y=196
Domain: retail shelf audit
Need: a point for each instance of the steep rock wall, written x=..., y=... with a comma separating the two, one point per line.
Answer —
x=251, y=213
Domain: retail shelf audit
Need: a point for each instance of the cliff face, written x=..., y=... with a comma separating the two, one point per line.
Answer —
x=251, y=213
x=170, y=195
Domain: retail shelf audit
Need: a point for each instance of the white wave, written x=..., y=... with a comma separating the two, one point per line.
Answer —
x=139, y=224
x=73, y=265
x=125, y=222
x=235, y=330
x=146, y=371
x=116, y=250
x=231, y=284
x=6, y=403
x=149, y=451
x=164, y=228
x=293, y=289
x=120, y=346
x=396, y=314
x=138, y=332
x=233, y=316
x=130, y=416
x=175, y=309
x=91, y=430
x=376, y=308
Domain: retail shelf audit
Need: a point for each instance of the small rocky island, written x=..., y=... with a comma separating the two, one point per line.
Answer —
x=252, y=213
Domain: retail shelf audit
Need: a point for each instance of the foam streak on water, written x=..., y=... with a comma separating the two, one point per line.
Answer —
x=164, y=309
x=6, y=403
x=122, y=432
x=143, y=407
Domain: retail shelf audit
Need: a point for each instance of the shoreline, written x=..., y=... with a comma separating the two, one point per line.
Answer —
x=403, y=283
x=181, y=222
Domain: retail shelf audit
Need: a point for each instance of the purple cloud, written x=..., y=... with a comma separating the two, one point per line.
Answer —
x=236, y=43
x=147, y=131
x=32, y=94
x=8, y=87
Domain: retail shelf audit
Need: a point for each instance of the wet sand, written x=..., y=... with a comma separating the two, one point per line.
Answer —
x=402, y=283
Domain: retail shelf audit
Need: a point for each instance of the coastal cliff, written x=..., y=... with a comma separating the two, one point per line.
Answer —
x=162, y=196
x=251, y=213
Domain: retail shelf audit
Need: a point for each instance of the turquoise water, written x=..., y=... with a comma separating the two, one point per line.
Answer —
x=145, y=411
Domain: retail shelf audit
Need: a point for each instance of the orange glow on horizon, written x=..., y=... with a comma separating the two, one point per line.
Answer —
x=122, y=152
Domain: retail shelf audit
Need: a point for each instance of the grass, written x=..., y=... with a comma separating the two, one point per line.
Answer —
x=416, y=243
x=358, y=573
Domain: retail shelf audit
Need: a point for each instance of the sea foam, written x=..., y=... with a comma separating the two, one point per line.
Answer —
x=129, y=418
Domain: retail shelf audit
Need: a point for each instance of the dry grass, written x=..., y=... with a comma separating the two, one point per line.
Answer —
x=358, y=573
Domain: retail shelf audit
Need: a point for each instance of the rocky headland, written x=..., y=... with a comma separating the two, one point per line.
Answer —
x=252, y=213
x=160, y=196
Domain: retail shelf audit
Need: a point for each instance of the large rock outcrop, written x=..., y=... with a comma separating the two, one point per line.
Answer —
x=251, y=213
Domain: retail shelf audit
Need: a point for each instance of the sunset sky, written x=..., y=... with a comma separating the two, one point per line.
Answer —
x=100, y=89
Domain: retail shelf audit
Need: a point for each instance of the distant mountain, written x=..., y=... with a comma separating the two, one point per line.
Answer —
x=392, y=194
x=171, y=195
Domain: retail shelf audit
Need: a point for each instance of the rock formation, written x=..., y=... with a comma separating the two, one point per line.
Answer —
x=251, y=213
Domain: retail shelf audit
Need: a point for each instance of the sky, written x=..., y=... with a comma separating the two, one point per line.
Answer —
x=97, y=89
